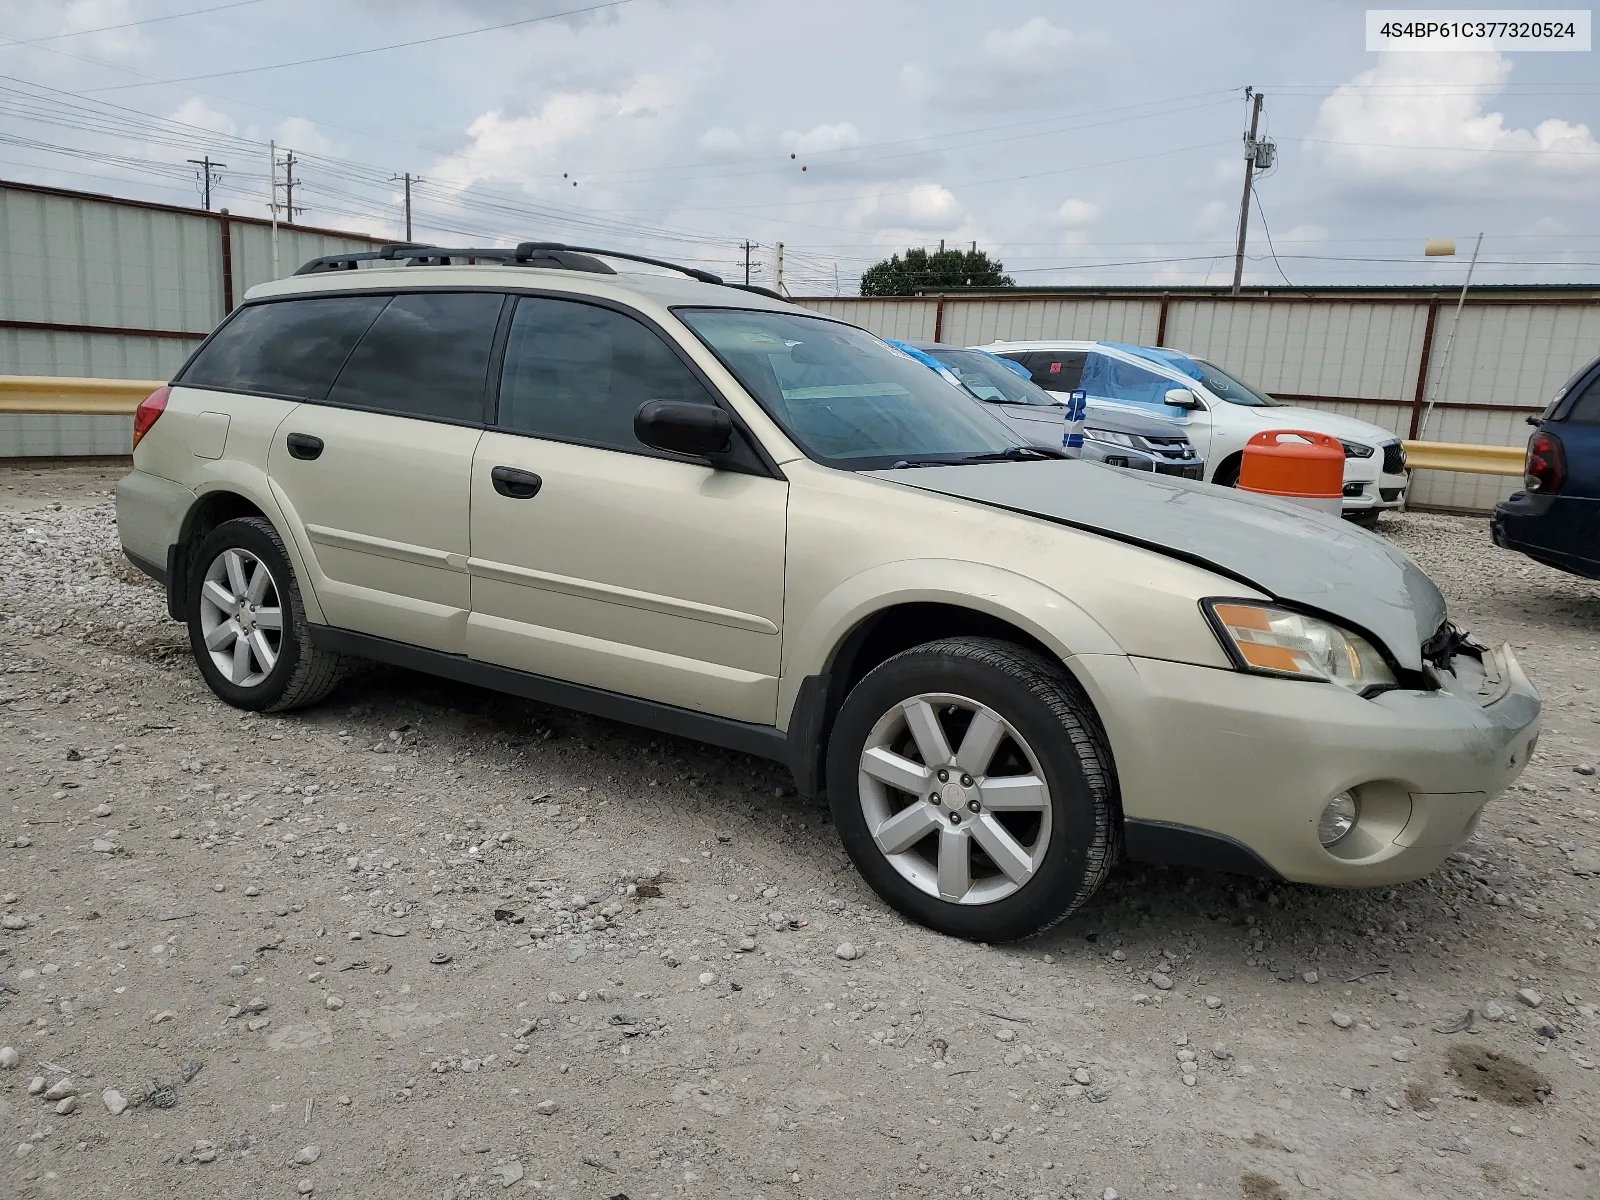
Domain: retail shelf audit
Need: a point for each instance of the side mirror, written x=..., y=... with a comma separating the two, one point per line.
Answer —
x=1182, y=398
x=683, y=427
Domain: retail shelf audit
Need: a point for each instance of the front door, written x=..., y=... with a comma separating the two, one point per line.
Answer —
x=376, y=478
x=597, y=560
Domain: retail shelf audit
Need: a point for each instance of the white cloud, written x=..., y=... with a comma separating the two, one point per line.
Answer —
x=821, y=138
x=500, y=146
x=721, y=140
x=1076, y=212
x=303, y=136
x=1419, y=122
x=1035, y=47
x=195, y=111
x=926, y=209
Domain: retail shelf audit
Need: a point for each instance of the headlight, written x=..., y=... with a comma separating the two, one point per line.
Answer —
x=1355, y=449
x=1110, y=437
x=1275, y=641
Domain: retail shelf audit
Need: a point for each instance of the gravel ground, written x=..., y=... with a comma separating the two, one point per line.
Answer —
x=428, y=941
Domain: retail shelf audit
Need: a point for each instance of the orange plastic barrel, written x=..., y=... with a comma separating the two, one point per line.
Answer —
x=1296, y=465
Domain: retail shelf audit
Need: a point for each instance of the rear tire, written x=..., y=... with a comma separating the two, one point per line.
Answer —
x=1227, y=473
x=247, y=625
x=973, y=788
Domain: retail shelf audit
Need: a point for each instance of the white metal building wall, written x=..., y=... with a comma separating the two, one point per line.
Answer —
x=101, y=271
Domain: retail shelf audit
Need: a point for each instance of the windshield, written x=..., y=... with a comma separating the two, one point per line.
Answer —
x=844, y=396
x=990, y=380
x=1225, y=387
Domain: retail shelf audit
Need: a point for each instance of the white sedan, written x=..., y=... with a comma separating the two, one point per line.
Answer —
x=1220, y=415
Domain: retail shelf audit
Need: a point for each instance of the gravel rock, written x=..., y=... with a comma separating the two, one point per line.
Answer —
x=1584, y=768
x=61, y=1089
x=1492, y=1011
x=12, y=921
x=116, y=1104
x=1161, y=981
x=546, y=1107
x=1530, y=997
x=307, y=1155
x=333, y=1004
x=1005, y=1035
x=9, y=1058
x=1082, y=1076
x=1342, y=1020
x=847, y=951
x=1213, y=1002
x=68, y=1105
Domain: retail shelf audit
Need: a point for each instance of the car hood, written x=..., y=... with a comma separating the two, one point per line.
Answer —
x=1320, y=421
x=1290, y=553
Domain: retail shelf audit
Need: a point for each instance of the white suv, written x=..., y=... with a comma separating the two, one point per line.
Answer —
x=698, y=508
x=1220, y=415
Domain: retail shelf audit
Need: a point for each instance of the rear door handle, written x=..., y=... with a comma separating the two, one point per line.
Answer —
x=303, y=445
x=515, y=484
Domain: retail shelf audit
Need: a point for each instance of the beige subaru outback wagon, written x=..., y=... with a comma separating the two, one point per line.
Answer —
x=701, y=509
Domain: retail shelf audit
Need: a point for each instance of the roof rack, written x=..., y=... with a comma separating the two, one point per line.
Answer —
x=555, y=255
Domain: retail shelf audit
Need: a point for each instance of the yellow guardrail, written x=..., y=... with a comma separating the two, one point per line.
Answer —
x=1456, y=456
x=119, y=397
x=62, y=394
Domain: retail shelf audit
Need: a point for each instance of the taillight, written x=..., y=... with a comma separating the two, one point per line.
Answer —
x=1546, y=469
x=150, y=408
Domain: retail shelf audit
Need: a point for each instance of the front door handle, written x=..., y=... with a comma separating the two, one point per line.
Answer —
x=515, y=484
x=303, y=445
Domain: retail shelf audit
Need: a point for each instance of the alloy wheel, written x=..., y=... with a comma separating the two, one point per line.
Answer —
x=241, y=617
x=955, y=799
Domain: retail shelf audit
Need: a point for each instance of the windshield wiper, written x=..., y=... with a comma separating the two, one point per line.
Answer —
x=1011, y=454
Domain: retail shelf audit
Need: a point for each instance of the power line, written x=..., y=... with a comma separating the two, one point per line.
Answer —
x=427, y=41
x=1266, y=230
x=196, y=12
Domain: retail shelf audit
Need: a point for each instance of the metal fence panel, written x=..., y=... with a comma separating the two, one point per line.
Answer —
x=1307, y=348
x=83, y=261
x=907, y=320
x=1511, y=354
x=252, y=252
x=978, y=321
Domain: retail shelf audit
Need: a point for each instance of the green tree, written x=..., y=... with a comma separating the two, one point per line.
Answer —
x=919, y=270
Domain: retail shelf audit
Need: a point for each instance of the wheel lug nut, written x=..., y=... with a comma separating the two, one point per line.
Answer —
x=935, y=800
x=944, y=776
x=966, y=781
x=972, y=805
x=955, y=818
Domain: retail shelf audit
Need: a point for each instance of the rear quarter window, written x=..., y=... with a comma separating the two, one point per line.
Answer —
x=291, y=348
x=1053, y=370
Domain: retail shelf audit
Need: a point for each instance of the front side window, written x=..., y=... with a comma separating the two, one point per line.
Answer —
x=845, y=397
x=578, y=373
x=990, y=380
x=1235, y=391
x=427, y=355
x=291, y=348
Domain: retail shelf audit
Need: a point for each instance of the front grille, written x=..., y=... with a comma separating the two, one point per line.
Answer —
x=1181, y=470
x=1394, y=458
x=1175, y=448
x=1390, y=495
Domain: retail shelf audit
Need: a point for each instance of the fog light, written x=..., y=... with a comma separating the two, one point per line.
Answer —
x=1338, y=819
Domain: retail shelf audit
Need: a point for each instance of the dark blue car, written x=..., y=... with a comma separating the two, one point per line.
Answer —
x=1555, y=519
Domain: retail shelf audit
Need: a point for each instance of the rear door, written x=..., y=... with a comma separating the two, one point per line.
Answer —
x=377, y=474
x=598, y=560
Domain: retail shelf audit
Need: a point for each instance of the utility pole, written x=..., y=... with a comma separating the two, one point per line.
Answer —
x=747, y=262
x=289, y=161
x=1249, y=182
x=777, y=269
x=207, y=166
x=272, y=201
x=409, y=180
x=1449, y=342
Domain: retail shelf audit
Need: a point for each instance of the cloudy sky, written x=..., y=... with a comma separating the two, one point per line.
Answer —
x=1079, y=143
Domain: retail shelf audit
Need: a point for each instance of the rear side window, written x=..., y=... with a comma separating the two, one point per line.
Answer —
x=290, y=348
x=427, y=355
x=1053, y=370
x=1585, y=409
x=578, y=373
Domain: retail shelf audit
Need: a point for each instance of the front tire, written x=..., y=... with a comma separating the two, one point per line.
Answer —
x=247, y=625
x=971, y=785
